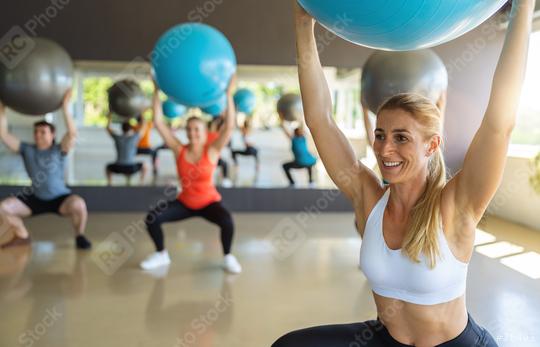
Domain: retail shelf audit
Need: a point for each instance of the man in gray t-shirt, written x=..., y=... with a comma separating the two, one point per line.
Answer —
x=45, y=164
x=126, y=151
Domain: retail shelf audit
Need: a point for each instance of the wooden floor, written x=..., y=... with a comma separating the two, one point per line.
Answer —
x=299, y=270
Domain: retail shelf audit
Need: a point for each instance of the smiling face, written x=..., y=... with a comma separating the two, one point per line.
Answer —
x=404, y=143
x=196, y=131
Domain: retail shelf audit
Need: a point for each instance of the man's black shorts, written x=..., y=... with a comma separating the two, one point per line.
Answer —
x=128, y=169
x=40, y=206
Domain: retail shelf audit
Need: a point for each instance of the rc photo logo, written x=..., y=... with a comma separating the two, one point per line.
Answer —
x=112, y=253
x=15, y=45
x=286, y=237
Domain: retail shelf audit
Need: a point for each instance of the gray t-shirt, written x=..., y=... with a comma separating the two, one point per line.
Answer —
x=46, y=170
x=126, y=148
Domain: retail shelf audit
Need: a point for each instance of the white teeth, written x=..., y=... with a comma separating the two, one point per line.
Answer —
x=391, y=163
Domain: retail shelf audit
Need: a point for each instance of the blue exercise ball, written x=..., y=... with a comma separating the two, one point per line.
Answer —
x=217, y=108
x=401, y=25
x=173, y=110
x=193, y=64
x=245, y=101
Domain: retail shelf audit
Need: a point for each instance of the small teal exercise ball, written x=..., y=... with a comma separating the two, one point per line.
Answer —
x=401, y=25
x=173, y=110
x=193, y=64
x=217, y=108
x=245, y=101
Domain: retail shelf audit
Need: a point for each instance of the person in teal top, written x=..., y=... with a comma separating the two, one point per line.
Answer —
x=303, y=159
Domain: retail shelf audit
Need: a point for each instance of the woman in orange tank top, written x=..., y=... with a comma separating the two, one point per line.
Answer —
x=196, y=163
x=144, y=147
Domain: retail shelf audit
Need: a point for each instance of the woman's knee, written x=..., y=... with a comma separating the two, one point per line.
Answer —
x=292, y=339
x=226, y=221
x=152, y=219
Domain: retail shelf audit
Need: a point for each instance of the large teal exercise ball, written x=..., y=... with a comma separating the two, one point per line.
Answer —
x=193, y=64
x=245, y=101
x=217, y=108
x=35, y=80
x=400, y=24
x=386, y=74
x=173, y=110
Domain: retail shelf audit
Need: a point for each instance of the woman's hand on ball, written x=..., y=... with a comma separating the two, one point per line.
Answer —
x=154, y=82
x=67, y=97
x=300, y=14
x=232, y=83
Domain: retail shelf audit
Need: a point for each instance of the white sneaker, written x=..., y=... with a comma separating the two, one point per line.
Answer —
x=312, y=185
x=226, y=183
x=155, y=260
x=230, y=264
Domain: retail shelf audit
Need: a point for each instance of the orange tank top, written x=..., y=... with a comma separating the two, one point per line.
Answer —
x=144, y=142
x=211, y=136
x=198, y=190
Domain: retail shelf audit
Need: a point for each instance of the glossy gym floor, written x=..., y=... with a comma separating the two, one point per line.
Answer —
x=52, y=295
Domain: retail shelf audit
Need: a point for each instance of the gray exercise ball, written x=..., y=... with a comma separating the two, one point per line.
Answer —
x=127, y=99
x=37, y=84
x=386, y=74
x=289, y=107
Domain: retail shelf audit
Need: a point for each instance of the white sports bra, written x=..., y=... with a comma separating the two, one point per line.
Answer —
x=392, y=274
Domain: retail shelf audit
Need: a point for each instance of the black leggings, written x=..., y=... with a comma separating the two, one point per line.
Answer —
x=374, y=334
x=152, y=153
x=294, y=165
x=175, y=211
x=249, y=151
x=224, y=167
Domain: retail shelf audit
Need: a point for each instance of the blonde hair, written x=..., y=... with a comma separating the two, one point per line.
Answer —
x=194, y=119
x=425, y=223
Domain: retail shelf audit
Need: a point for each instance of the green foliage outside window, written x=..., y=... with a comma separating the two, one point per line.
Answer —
x=535, y=178
x=95, y=100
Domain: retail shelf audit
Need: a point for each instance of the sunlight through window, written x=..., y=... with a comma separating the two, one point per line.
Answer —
x=499, y=249
x=481, y=237
x=526, y=263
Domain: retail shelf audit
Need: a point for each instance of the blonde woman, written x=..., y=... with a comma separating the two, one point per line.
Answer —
x=418, y=232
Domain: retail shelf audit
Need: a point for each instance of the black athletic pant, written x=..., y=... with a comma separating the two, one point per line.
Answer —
x=249, y=151
x=224, y=167
x=294, y=165
x=374, y=334
x=152, y=153
x=155, y=153
x=215, y=213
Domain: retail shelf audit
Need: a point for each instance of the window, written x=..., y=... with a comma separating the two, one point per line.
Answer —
x=527, y=130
